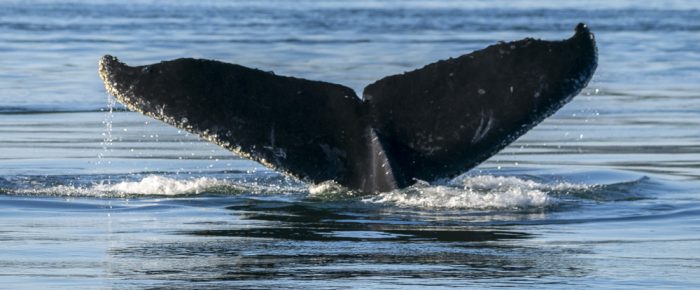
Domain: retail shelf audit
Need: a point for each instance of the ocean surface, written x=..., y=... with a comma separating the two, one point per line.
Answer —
x=604, y=194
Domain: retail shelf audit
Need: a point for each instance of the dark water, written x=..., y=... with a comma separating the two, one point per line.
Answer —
x=604, y=194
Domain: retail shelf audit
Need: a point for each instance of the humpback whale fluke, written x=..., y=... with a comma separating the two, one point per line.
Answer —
x=434, y=122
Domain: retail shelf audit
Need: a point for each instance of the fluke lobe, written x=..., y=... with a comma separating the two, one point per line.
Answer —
x=434, y=122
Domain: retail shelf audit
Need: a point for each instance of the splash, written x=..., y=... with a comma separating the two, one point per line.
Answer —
x=148, y=186
x=155, y=185
x=484, y=192
x=477, y=192
x=330, y=190
x=159, y=185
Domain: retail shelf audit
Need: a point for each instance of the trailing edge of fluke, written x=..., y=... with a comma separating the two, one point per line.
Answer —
x=434, y=122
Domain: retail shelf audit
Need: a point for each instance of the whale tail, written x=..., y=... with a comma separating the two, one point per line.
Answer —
x=434, y=122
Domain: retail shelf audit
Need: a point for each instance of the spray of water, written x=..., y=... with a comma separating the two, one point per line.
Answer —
x=107, y=137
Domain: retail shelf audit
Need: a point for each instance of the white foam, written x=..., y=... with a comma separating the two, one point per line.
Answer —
x=473, y=192
x=330, y=190
x=160, y=185
x=476, y=192
x=152, y=185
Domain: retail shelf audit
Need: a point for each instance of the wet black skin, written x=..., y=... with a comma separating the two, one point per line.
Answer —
x=434, y=122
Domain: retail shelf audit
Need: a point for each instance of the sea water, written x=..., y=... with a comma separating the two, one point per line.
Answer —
x=604, y=194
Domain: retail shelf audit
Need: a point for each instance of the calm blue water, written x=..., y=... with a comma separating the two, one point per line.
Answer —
x=605, y=194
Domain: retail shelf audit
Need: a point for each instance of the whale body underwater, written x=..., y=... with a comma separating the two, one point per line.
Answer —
x=431, y=123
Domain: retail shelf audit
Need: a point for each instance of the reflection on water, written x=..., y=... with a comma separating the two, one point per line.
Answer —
x=299, y=241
